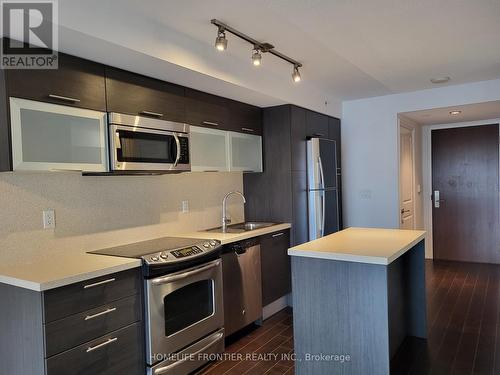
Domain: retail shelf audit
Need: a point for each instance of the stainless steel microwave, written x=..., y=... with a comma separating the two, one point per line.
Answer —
x=146, y=144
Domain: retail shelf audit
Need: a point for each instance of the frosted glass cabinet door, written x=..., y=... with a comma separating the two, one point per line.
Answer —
x=246, y=152
x=50, y=137
x=209, y=149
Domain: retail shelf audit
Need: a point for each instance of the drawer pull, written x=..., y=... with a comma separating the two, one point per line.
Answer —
x=92, y=348
x=318, y=135
x=278, y=234
x=153, y=114
x=64, y=98
x=89, y=317
x=210, y=123
x=248, y=130
x=99, y=283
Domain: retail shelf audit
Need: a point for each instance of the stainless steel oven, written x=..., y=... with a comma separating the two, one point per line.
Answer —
x=181, y=308
x=147, y=144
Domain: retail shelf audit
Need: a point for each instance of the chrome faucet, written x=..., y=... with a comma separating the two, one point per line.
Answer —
x=225, y=219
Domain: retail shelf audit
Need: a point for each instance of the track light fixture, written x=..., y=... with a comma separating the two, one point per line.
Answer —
x=258, y=47
x=296, y=74
x=256, y=57
x=221, y=41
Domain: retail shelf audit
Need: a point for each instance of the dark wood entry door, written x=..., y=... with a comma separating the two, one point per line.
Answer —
x=465, y=171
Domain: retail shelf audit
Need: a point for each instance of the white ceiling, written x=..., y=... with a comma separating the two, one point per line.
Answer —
x=350, y=48
x=470, y=112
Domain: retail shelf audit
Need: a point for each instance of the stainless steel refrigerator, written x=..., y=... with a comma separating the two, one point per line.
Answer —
x=323, y=207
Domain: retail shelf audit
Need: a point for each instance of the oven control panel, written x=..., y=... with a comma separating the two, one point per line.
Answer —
x=186, y=252
x=181, y=254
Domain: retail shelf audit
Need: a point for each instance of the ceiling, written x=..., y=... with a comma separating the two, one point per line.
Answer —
x=470, y=112
x=350, y=49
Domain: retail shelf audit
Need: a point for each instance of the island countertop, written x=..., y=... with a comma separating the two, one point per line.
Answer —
x=362, y=245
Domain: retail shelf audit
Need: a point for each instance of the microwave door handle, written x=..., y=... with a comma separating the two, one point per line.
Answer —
x=118, y=143
x=178, y=145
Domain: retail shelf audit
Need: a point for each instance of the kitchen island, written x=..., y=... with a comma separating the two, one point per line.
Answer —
x=357, y=294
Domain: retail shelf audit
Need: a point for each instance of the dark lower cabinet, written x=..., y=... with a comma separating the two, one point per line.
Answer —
x=116, y=353
x=104, y=335
x=134, y=94
x=275, y=266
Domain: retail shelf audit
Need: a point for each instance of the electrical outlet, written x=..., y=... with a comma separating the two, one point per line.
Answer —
x=184, y=207
x=49, y=219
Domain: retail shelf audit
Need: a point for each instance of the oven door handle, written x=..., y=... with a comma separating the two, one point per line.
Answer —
x=178, y=145
x=168, y=368
x=183, y=275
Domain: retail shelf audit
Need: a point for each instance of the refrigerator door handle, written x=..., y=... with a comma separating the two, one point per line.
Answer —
x=321, y=174
x=322, y=230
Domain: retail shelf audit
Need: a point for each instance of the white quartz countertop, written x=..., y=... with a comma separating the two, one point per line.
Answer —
x=362, y=245
x=64, y=268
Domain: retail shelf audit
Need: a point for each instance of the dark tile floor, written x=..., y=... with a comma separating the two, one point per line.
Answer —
x=463, y=303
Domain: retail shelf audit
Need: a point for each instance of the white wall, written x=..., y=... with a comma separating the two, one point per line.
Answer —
x=370, y=162
x=97, y=212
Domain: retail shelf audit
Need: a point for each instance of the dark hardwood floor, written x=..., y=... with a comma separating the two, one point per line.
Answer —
x=463, y=304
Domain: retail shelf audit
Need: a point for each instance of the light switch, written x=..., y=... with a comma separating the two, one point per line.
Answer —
x=185, y=207
x=49, y=219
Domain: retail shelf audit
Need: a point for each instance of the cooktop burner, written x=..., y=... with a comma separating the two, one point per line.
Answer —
x=165, y=251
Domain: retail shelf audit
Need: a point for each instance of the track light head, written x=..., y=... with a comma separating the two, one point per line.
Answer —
x=221, y=41
x=296, y=74
x=256, y=57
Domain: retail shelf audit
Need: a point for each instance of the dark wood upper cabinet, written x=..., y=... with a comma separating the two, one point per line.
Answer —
x=316, y=124
x=136, y=94
x=275, y=266
x=334, y=133
x=245, y=118
x=207, y=110
x=76, y=82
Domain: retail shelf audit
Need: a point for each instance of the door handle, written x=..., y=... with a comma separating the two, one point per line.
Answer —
x=437, y=201
x=178, y=146
x=183, y=275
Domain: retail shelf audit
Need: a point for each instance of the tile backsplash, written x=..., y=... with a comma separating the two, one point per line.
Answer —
x=96, y=212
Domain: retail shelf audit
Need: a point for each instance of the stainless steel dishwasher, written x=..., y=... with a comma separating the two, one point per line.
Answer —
x=242, y=284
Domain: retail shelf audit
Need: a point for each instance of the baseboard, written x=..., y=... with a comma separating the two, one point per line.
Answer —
x=275, y=306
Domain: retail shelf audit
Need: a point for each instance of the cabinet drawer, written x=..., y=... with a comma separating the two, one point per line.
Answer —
x=245, y=118
x=77, y=83
x=76, y=329
x=316, y=125
x=68, y=300
x=120, y=352
x=135, y=94
x=206, y=110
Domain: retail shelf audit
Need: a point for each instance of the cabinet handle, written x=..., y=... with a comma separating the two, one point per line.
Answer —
x=210, y=123
x=152, y=114
x=248, y=130
x=64, y=98
x=318, y=135
x=89, y=317
x=99, y=283
x=92, y=348
x=278, y=234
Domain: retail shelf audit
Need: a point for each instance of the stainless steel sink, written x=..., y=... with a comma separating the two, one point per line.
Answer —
x=242, y=227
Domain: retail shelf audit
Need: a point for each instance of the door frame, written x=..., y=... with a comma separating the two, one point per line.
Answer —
x=427, y=172
x=402, y=124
